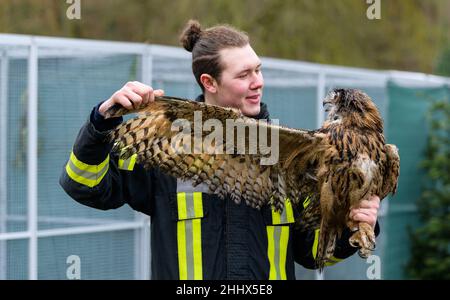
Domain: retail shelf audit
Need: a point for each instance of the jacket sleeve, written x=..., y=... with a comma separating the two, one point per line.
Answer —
x=95, y=177
x=306, y=242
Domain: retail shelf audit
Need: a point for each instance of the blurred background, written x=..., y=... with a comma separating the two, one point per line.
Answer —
x=58, y=60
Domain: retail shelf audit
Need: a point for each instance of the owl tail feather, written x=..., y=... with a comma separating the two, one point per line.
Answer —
x=326, y=245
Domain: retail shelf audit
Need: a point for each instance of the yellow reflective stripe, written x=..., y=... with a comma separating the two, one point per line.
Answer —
x=197, y=243
x=316, y=242
x=271, y=252
x=121, y=161
x=190, y=205
x=85, y=167
x=284, y=239
x=128, y=164
x=289, y=211
x=181, y=238
x=306, y=202
x=278, y=239
x=276, y=217
x=198, y=205
x=89, y=175
x=189, y=235
x=286, y=216
x=332, y=261
x=182, y=211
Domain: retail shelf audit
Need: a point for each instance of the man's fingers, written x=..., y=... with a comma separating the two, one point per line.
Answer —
x=366, y=211
x=145, y=99
x=142, y=87
x=124, y=101
x=158, y=93
x=364, y=215
x=134, y=98
x=361, y=217
x=135, y=95
x=375, y=200
x=147, y=92
x=142, y=90
x=365, y=204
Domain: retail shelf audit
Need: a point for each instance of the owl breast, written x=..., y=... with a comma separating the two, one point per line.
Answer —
x=366, y=165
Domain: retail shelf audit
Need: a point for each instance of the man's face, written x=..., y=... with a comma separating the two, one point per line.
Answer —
x=241, y=81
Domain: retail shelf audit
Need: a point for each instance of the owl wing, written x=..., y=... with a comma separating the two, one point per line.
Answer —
x=390, y=177
x=232, y=154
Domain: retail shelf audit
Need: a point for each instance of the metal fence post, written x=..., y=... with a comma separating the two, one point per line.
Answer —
x=321, y=85
x=4, y=66
x=32, y=168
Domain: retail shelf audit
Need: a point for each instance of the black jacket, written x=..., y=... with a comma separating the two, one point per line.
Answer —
x=217, y=239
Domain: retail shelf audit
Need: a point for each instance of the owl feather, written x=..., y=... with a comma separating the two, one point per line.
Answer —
x=335, y=167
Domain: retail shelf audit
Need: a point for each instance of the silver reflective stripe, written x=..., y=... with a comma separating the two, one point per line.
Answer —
x=186, y=186
x=190, y=211
x=283, y=217
x=189, y=235
x=278, y=240
x=189, y=249
x=286, y=216
x=87, y=174
x=126, y=163
x=277, y=237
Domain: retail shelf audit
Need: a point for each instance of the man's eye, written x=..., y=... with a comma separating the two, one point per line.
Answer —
x=243, y=75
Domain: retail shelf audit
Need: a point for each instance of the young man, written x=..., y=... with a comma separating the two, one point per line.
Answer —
x=216, y=239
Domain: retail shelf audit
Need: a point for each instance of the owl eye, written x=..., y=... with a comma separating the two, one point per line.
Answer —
x=336, y=117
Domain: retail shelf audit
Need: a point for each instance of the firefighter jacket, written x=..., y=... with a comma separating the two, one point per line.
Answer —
x=194, y=235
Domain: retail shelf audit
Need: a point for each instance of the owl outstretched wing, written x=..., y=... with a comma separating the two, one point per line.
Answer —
x=232, y=154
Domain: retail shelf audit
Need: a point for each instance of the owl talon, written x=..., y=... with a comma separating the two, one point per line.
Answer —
x=364, y=253
x=354, y=244
x=355, y=240
x=364, y=238
x=371, y=245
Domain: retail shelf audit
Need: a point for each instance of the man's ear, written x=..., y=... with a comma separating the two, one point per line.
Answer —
x=209, y=83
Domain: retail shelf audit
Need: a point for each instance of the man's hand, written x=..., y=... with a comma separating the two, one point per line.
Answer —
x=367, y=211
x=132, y=95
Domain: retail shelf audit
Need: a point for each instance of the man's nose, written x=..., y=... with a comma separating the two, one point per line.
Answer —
x=258, y=82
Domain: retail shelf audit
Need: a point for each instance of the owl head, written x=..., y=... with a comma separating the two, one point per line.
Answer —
x=352, y=108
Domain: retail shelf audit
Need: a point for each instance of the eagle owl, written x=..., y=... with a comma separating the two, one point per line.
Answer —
x=334, y=167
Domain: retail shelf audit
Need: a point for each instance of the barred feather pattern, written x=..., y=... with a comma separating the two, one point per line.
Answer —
x=336, y=166
x=150, y=137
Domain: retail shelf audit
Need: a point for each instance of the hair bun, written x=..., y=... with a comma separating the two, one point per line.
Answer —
x=190, y=35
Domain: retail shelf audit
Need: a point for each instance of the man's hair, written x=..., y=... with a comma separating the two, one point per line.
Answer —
x=206, y=44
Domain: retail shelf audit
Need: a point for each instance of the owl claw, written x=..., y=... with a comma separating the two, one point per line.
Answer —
x=355, y=240
x=364, y=253
x=364, y=239
x=353, y=243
